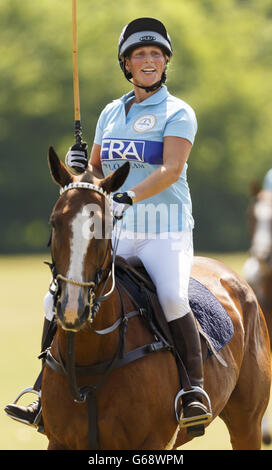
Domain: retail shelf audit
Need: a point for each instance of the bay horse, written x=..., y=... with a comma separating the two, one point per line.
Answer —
x=257, y=269
x=132, y=406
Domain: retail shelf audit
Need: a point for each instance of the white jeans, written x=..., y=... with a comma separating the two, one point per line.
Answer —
x=169, y=263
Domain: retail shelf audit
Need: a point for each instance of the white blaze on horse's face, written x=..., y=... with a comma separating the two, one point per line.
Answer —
x=84, y=227
x=262, y=239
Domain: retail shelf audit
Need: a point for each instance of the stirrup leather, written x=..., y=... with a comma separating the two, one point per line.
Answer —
x=193, y=420
x=35, y=424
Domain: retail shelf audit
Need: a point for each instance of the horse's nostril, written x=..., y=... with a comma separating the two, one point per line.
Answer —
x=85, y=315
x=72, y=320
x=75, y=326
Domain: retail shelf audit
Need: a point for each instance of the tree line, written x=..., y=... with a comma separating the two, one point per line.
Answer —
x=221, y=67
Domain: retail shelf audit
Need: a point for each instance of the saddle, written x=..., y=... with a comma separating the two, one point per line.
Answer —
x=134, y=277
x=214, y=334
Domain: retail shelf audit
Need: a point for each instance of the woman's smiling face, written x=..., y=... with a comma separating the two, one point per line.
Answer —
x=146, y=65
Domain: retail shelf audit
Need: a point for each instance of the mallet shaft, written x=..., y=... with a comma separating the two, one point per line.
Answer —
x=75, y=75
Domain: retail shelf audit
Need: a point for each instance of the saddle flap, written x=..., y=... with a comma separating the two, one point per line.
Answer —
x=140, y=284
x=136, y=270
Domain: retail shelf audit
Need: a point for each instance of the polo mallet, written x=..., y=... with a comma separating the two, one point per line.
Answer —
x=78, y=130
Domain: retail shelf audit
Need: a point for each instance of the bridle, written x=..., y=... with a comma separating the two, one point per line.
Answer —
x=94, y=301
x=88, y=393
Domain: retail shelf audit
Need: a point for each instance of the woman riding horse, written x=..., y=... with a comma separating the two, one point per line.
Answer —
x=113, y=387
x=155, y=131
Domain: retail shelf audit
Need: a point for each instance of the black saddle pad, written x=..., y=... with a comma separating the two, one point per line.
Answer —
x=211, y=315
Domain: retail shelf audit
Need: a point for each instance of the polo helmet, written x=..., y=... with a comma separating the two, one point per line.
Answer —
x=143, y=32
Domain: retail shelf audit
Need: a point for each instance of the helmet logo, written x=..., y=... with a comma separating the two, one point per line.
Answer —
x=147, y=38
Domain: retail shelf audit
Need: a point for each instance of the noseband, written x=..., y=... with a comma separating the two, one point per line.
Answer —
x=92, y=285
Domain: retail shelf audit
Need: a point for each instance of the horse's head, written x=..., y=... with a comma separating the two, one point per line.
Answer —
x=80, y=243
x=261, y=223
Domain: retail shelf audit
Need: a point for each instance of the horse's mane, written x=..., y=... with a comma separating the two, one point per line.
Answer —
x=92, y=175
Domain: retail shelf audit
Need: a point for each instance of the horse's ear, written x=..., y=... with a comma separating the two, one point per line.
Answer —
x=58, y=170
x=113, y=181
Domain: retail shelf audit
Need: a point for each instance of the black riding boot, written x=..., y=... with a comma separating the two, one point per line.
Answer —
x=187, y=343
x=30, y=414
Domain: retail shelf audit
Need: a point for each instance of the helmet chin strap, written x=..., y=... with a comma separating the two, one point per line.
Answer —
x=151, y=88
x=148, y=89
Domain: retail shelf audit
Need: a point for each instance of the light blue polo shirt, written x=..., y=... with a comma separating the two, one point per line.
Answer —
x=267, y=183
x=138, y=137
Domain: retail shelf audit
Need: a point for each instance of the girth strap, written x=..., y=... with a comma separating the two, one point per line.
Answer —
x=100, y=368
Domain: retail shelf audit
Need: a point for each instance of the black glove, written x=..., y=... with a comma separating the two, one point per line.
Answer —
x=77, y=158
x=120, y=202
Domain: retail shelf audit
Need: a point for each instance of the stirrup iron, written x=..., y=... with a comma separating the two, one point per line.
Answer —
x=193, y=420
x=35, y=424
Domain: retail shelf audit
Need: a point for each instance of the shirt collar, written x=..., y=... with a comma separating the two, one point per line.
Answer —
x=156, y=98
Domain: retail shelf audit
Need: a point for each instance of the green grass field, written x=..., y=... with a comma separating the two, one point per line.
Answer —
x=24, y=281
